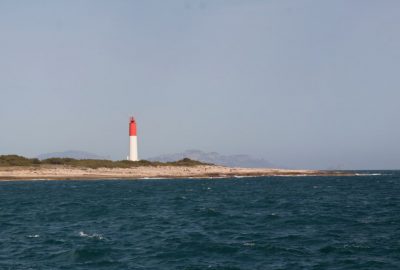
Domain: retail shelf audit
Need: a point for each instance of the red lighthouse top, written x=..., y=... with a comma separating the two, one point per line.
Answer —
x=132, y=127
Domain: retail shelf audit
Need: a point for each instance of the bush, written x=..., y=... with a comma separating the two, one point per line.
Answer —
x=14, y=160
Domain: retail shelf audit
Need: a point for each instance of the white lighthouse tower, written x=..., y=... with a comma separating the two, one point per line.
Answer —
x=133, y=152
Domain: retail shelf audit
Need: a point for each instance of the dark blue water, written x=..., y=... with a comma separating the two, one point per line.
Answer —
x=257, y=223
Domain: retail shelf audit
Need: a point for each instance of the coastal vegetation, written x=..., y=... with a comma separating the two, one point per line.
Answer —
x=15, y=160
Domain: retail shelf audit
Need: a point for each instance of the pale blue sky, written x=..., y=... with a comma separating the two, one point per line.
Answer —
x=312, y=84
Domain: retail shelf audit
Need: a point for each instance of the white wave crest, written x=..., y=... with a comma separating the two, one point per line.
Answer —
x=368, y=174
x=94, y=235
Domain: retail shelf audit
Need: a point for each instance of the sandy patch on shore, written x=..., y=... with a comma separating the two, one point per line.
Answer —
x=64, y=172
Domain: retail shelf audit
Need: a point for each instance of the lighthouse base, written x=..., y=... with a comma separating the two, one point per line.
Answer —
x=133, y=153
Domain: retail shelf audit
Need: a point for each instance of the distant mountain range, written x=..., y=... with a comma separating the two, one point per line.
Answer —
x=216, y=158
x=70, y=154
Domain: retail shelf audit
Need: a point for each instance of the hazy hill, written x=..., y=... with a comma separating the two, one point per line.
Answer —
x=70, y=154
x=216, y=158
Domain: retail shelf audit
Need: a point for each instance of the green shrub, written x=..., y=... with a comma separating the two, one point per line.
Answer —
x=14, y=160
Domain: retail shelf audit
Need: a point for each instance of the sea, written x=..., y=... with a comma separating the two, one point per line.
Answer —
x=305, y=222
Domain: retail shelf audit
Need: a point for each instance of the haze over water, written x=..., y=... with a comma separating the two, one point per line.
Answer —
x=247, y=223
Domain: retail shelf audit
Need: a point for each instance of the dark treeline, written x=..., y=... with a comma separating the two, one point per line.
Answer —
x=15, y=160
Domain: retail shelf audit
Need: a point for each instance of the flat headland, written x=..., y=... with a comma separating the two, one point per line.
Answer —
x=14, y=167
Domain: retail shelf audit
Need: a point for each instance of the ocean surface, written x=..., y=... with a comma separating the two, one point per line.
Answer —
x=239, y=223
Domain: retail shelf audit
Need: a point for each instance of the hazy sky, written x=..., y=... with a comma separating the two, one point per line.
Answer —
x=313, y=84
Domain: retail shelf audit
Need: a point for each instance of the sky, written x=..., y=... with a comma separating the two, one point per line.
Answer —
x=301, y=83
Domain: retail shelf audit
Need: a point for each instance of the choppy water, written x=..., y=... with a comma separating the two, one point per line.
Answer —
x=257, y=223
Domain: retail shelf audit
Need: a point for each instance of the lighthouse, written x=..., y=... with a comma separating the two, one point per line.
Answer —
x=133, y=153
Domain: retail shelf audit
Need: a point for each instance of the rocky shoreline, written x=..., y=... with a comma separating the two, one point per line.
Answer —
x=60, y=172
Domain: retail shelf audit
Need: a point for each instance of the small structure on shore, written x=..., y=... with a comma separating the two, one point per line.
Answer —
x=133, y=152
